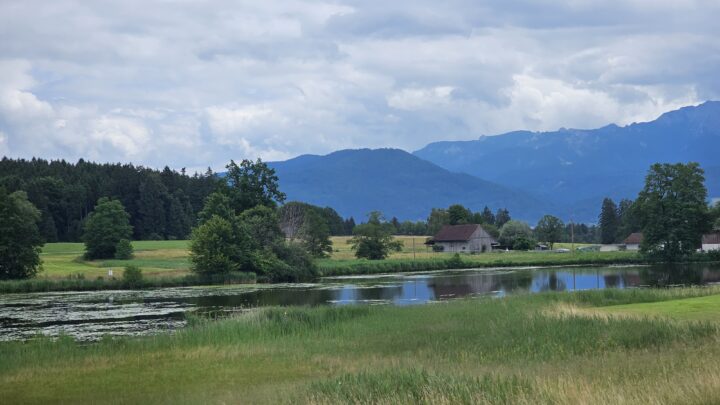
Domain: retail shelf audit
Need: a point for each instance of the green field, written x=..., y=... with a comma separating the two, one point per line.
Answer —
x=170, y=258
x=518, y=350
x=156, y=258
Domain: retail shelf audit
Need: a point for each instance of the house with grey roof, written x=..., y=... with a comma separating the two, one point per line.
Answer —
x=469, y=238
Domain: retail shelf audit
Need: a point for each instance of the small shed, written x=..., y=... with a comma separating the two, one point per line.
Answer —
x=470, y=238
x=633, y=241
x=711, y=241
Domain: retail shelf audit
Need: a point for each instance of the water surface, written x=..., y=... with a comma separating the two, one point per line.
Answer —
x=91, y=315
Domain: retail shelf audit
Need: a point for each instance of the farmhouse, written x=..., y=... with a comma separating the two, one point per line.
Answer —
x=633, y=241
x=463, y=238
x=711, y=241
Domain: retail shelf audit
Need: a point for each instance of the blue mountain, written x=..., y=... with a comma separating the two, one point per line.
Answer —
x=572, y=170
x=355, y=182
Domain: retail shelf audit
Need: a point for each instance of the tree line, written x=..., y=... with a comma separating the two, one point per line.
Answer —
x=161, y=204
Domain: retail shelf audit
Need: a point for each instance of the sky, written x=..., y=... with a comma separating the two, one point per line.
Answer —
x=196, y=83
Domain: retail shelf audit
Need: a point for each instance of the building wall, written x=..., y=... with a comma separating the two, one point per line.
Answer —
x=709, y=246
x=455, y=246
x=631, y=246
x=474, y=245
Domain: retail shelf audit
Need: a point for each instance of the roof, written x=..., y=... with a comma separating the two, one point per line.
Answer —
x=456, y=233
x=635, y=238
x=711, y=238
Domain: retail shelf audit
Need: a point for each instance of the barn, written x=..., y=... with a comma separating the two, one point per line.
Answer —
x=470, y=238
x=633, y=241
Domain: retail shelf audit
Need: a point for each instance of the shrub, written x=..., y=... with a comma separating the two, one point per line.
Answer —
x=132, y=276
x=523, y=243
x=455, y=262
x=124, y=250
x=289, y=263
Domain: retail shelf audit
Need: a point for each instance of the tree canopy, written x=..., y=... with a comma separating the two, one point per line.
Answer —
x=104, y=228
x=549, y=230
x=251, y=184
x=673, y=210
x=66, y=192
x=373, y=239
x=513, y=230
x=20, y=240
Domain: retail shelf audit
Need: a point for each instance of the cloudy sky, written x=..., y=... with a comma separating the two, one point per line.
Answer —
x=194, y=83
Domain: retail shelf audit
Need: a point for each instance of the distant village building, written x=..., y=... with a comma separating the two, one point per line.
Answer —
x=633, y=241
x=711, y=241
x=469, y=238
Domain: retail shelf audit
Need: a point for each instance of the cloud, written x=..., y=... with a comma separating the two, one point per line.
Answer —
x=194, y=84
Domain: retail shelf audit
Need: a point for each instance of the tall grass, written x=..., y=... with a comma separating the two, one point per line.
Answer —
x=485, y=350
x=413, y=386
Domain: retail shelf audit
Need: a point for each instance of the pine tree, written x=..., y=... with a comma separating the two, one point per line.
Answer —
x=151, y=208
x=502, y=217
x=608, y=221
x=487, y=216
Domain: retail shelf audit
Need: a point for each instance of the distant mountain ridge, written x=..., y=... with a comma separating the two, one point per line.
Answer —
x=574, y=169
x=355, y=182
x=565, y=173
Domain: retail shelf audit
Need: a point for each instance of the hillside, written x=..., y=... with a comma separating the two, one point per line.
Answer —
x=355, y=182
x=574, y=169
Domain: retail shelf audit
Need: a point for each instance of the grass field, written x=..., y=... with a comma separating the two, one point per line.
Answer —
x=515, y=350
x=156, y=258
x=170, y=258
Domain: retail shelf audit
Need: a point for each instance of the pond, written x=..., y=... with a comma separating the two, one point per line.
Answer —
x=91, y=315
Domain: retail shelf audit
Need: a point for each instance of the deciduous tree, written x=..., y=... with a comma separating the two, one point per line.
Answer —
x=673, y=210
x=513, y=230
x=104, y=228
x=20, y=239
x=251, y=184
x=373, y=240
x=549, y=229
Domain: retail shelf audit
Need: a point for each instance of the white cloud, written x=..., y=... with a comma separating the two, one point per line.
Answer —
x=196, y=84
x=4, y=148
x=418, y=98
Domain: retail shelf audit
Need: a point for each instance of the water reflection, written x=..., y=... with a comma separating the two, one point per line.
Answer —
x=90, y=315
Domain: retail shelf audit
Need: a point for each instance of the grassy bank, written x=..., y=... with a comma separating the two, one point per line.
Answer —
x=331, y=267
x=522, y=349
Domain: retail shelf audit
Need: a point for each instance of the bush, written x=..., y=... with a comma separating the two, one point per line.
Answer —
x=523, y=243
x=124, y=250
x=455, y=262
x=132, y=276
x=289, y=263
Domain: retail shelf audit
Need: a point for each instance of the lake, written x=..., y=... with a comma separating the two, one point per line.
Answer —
x=91, y=315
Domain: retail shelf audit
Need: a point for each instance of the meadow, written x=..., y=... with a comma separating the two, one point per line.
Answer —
x=169, y=259
x=588, y=347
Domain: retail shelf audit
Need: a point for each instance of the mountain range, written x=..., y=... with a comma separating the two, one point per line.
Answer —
x=566, y=172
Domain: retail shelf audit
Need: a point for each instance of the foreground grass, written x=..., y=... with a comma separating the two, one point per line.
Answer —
x=510, y=350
